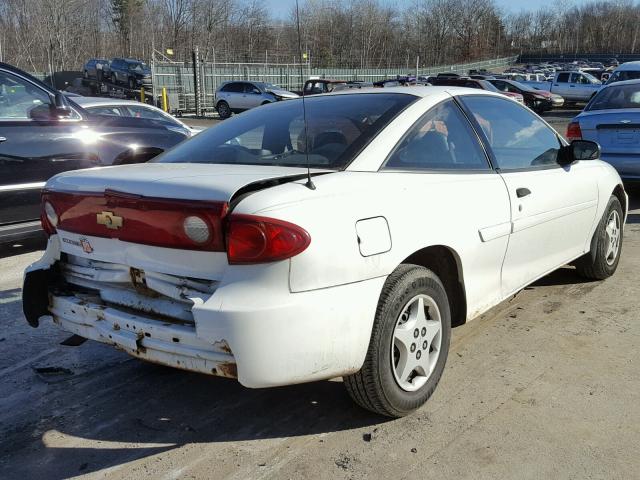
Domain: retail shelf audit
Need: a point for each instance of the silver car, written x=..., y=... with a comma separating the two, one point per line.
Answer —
x=238, y=96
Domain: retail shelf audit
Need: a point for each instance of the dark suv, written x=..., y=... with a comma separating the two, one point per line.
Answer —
x=43, y=133
x=130, y=72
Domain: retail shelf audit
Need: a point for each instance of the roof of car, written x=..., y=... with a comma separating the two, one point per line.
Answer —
x=622, y=83
x=87, y=102
x=418, y=91
x=629, y=66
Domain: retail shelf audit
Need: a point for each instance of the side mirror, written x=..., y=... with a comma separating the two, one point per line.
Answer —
x=579, y=150
x=61, y=107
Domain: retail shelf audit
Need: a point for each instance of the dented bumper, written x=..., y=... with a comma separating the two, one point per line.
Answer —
x=246, y=324
x=165, y=343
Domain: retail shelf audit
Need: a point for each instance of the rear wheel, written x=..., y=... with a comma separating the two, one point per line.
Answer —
x=602, y=262
x=409, y=344
x=114, y=79
x=132, y=84
x=223, y=109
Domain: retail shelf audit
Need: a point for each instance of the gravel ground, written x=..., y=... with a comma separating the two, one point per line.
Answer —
x=545, y=385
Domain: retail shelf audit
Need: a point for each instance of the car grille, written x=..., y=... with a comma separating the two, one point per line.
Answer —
x=155, y=295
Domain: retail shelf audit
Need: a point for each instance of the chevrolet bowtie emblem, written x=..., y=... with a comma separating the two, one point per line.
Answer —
x=109, y=220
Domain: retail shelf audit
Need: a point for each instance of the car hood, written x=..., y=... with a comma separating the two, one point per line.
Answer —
x=282, y=93
x=193, y=181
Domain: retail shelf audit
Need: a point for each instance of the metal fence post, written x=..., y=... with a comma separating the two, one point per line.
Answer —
x=196, y=81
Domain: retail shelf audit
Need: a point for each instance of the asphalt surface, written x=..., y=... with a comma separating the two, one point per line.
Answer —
x=545, y=385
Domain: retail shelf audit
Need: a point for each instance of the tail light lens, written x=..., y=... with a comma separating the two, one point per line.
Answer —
x=574, y=132
x=48, y=218
x=162, y=222
x=252, y=239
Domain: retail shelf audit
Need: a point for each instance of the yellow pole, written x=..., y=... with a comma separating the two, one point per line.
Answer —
x=142, y=94
x=165, y=100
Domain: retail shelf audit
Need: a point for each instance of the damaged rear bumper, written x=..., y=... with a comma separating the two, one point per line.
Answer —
x=250, y=326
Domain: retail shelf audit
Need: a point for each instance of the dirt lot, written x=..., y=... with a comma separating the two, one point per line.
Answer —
x=546, y=385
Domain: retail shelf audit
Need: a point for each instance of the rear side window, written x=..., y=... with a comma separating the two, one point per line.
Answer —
x=518, y=138
x=563, y=77
x=441, y=140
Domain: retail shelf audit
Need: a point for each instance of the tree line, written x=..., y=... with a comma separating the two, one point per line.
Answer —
x=58, y=35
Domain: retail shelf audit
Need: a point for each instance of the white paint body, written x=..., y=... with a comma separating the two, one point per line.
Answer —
x=310, y=317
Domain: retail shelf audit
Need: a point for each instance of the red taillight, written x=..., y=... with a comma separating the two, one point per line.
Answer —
x=574, y=132
x=162, y=222
x=252, y=239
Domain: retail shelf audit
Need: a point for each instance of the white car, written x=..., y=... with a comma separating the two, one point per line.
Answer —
x=116, y=107
x=426, y=207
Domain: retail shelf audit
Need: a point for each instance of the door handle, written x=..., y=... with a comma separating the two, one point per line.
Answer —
x=522, y=192
x=3, y=139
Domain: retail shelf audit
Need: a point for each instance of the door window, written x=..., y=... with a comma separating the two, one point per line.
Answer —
x=19, y=98
x=518, y=138
x=234, y=87
x=441, y=140
x=251, y=88
x=105, y=110
x=563, y=77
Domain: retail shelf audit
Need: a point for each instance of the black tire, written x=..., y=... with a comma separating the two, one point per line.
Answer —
x=602, y=265
x=375, y=387
x=114, y=79
x=223, y=109
x=132, y=84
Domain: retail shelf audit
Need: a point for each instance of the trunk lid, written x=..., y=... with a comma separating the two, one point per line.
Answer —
x=192, y=181
x=617, y=131
x=133, y=216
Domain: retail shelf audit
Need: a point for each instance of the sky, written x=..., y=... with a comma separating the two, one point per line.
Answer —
x=281, y=8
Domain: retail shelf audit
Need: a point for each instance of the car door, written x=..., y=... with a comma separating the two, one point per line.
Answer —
x=560, y=85
x=232, y=94
x=552, y=207
x=252, y=96
x=33, y=147
x=441, y=157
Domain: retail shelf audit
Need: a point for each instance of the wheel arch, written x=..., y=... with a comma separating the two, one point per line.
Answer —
x=446, y=264
x=618, y=192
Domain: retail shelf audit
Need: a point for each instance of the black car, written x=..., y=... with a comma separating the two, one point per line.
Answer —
x=43, y=132
x=130, y=72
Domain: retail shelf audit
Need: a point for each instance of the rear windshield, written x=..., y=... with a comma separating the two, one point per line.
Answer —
x=338, y=128
x=622, y=75
x=616, y=96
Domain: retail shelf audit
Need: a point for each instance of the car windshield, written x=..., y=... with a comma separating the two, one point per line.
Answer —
x=591, y=78
x=615, y=97
x=621, y=76
x=338, y=128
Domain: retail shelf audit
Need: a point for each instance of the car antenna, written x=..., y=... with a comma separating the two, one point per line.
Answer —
x=309, y=184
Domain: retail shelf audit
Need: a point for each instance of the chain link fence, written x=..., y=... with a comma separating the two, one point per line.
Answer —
x=179, y=78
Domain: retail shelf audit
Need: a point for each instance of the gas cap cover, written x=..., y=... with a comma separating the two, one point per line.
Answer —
x=373, y=236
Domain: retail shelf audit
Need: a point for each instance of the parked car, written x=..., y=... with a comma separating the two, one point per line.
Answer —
x=43, y=132
x=475, y=83
x=572, y=86
x=321, y=85
x=612, y=118
x=238, y=96
x=131, y=108
x=132, y=73
x=626, y=71
x=422, y=207
x=97, y=68
x=537, y=100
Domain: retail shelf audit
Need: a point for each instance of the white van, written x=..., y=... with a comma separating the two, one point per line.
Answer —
x=626, y=71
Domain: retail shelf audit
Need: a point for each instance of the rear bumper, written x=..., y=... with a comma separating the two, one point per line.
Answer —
x=252, y=327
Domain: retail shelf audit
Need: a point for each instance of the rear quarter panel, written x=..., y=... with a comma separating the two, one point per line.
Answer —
x=421, y=209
